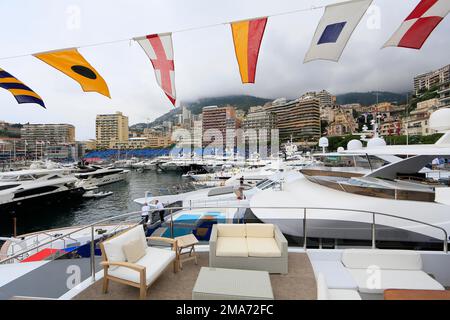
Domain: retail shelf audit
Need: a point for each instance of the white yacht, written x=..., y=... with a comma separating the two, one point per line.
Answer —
x=99, y=176
x=342, y=205
x=19, y=189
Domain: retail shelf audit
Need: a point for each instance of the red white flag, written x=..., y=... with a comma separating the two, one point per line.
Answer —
x=416, y=28
x=159, y=49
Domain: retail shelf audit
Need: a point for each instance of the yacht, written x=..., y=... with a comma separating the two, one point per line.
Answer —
x=344, y=203
x=24, y=188
x=126, y=163
x=98, y=176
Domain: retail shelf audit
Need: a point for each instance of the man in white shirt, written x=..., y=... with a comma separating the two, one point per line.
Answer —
x=161, y=210
x=144, y=213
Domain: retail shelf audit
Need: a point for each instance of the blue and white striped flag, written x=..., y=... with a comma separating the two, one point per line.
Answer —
x=335, y=28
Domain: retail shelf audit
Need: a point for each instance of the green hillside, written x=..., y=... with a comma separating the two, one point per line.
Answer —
x=369, y=98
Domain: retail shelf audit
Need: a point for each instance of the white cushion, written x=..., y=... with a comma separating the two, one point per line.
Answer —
x=231, y=247
x=231, y=230
x=343, y=294
x=322, y=288
x=154, y=261
x=383, y=259
x=260, y=230
x=324, y=293
x=335, y=274
x=134, y=250
x=263, y=247
x=113, y=246
x=393, y=279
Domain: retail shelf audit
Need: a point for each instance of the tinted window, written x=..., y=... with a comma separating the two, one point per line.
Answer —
x=9, y=186
x=35, y=191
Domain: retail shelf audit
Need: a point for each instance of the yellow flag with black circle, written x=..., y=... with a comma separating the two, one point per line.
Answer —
x=71, y=63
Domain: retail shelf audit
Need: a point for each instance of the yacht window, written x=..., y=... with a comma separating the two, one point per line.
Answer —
x=265, y=185
x=261, y=182
x=38, y=176
x=270, y=184
x=35, y=191
x=54, y=177
x=9, y=178
x=26, y=178
x=9, y=186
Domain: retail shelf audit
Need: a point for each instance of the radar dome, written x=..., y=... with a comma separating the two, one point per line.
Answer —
x=340, y=149
x=323, y=142
x=354, y=145
x=440, y=120
x=376, y=142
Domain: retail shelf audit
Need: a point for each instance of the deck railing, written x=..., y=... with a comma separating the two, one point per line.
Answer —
x=134, y=218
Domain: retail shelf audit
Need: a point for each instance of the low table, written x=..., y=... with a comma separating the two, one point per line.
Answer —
x=186, y=242
x=232, y=284
x=399, y=294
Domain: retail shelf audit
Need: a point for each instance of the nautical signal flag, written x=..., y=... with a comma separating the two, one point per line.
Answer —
x=19, y=90
x=71, y=63
x=159, y=49
x=335, y=28
x=417, y=27
x=247, y=37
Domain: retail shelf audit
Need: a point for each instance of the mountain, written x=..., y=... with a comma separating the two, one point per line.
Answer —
x=242, y=102
x=369, y=98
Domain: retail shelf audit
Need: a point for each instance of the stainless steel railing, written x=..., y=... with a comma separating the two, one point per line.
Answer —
x=172, y=210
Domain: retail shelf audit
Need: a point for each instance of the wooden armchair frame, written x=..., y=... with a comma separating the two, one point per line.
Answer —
x=142, y=285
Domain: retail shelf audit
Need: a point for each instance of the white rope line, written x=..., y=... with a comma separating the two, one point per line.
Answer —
x=97, y=44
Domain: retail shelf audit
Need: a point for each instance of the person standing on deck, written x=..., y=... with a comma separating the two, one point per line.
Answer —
x=144, y=213
x=161, y=210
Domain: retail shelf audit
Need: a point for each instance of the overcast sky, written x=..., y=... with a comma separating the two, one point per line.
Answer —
x=205, y=64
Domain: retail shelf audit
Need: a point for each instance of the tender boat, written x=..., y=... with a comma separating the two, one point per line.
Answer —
x=92, y=194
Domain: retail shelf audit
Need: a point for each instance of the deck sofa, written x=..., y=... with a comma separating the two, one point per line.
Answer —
x=251, y=246
x=128, y=259
x=326, y=293
x=375, y=270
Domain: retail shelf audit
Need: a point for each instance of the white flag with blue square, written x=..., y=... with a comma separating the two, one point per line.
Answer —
x=335, y=28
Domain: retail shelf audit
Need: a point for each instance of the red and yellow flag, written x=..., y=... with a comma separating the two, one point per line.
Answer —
x=247, y=36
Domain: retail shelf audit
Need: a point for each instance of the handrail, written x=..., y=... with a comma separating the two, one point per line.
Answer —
x=70, y=233
x=373, y=213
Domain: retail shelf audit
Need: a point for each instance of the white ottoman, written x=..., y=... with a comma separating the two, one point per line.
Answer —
x=232, y=284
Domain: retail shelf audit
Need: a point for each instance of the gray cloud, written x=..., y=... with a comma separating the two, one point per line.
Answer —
x=204, y=59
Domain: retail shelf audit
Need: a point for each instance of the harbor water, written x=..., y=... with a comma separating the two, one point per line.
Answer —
x=90, y=210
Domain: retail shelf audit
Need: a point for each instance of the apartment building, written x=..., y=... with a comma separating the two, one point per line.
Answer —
x=417, y=123
x=299, y=119
x=343, y=123
x=111, y=129
x=222, y=119
x=51, y=134
x=444, y=95
x=431, y=79
x=259, y=118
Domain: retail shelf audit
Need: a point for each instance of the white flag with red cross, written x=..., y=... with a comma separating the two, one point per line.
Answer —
x=421, y=22
x=159, y=49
